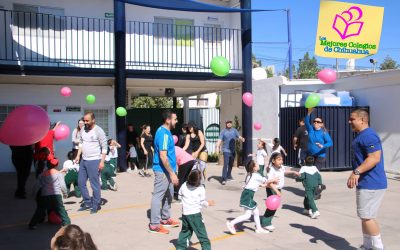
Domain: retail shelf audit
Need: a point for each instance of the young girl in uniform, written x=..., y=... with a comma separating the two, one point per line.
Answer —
x=70, y=168
x=254, y=180
x=275, y=169
x=261, y=156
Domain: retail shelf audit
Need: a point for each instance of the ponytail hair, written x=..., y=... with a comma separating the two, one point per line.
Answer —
x=273, y=157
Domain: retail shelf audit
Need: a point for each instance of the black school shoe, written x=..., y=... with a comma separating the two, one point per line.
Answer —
x=318, y=191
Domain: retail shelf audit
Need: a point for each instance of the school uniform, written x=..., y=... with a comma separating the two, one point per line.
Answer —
x=107, y=174
x=193, y=199
x=113, y=153
x=253, y=183
x=51, y=187
x=266, y=220
x=133, y=156
x=260, y=158
x=71, y=177
x=311, y=179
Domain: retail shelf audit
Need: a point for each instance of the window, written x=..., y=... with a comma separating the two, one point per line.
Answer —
x=101, y=116
x=6, y=109
x=212, y=33
x=38, y=20
x=181, y=30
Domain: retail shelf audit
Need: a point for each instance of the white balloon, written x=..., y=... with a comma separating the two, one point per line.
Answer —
x=259, y=73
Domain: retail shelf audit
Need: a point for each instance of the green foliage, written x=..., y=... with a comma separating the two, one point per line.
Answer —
x=388, y=63
x=308, y=68
x=255, y=63
x=269, y=72
x=152, y=102
x=212, y=157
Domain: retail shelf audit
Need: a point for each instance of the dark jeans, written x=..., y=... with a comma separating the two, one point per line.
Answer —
x=90, y=170
x=228, y=164
x=183, y=173
x=320, y=162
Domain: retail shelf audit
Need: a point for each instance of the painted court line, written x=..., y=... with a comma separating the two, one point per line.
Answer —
x=219, y=238
x=82, y=214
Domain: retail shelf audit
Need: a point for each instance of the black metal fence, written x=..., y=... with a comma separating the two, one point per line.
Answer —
x=336, y=122
x=67, y=41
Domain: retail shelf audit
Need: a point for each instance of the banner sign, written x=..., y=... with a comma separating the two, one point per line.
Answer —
x=347, y=30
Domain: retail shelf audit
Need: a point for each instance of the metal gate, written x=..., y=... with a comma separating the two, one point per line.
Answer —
x=336, y=122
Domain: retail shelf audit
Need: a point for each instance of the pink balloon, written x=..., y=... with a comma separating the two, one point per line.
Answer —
x=328, y=76
x=65, y=91
x=25, y=125
x=247, y=99
x=257, y=126
x=175, y=139
x=61, y=132
x=273, y=202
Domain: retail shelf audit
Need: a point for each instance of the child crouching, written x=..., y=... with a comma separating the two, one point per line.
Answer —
x=312, y=181
x=193, y=196
x=52, y=188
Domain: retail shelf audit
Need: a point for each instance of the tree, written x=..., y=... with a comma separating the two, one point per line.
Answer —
x=255, y=63
x=293, y=72
x=152, y=102
x=269, y=72
x=388, y=63
x=308, y=68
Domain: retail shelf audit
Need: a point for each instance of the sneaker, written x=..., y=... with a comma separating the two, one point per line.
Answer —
x=170, y=223
x=315, y=215
x=270, y=228
x=223, y=183
x=307, y=212
x=231, y=228
x=158, y=230
x=84, y=207
x=95, y=209
x=113, y=187
x=129, y=170
x=262, y=231
x=141, y=173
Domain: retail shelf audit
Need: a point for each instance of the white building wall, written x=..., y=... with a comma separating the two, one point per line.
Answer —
x=49, y=95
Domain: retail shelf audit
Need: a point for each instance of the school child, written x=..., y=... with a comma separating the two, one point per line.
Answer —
x=113, y=147
x=193, y=196
x=70, y=168
x=275, y=169
x=107, y=174
x=51, y=189
x=261, y=155
x=132, y=159
x=253, y=181
x=277, y=148
x=312, y=181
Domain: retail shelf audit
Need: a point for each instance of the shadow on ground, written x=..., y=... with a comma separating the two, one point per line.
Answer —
x=331, y=240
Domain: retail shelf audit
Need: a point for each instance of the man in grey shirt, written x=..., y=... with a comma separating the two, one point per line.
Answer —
x=228, y=137
x=93, y=146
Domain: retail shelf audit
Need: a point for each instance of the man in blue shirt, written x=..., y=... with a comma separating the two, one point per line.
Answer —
x=368, y=177
x=165, y=178
x=228, y=137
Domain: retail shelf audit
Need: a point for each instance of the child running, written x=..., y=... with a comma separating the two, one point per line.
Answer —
x=254, y=180
x=51, y=189
x=193, y=196
x=275, y=169
x=312, y=181
x=261, y=155
x=277, y=148
x=70, y=168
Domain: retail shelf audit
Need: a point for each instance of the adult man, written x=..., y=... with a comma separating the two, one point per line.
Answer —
x=164, y=167
x=300, y=140
x=22, y=158
x=368, y=177
x=93, y=147
x=132, y=136
x=228, y=137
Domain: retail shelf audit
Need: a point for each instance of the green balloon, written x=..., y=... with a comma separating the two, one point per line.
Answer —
x=312, y=101
x=90, y=99
x=220, y=66
x=121, y=111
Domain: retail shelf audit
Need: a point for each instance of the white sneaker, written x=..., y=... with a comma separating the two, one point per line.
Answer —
x=129, y=170
x=315, y=215
x=307, y=212
x=262, y=231
x=231, y=227
x=270, y=228
x=113, y=188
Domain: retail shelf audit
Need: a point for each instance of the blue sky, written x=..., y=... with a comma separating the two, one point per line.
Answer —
x=270, y=27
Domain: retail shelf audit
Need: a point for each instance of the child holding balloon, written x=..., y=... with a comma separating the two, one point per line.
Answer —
x=253, y=181
x=275, y=169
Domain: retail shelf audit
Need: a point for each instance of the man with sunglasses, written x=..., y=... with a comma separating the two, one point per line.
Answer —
x=318, y=139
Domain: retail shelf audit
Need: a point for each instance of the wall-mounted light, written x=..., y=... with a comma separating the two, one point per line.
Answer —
x=374, y=62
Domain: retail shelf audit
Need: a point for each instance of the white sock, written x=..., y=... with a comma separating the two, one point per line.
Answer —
x=241, y=218
x=256, y=215
x=367, y=241
x=377, y=242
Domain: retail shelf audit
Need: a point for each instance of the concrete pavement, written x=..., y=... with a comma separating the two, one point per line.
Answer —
x=122, y=222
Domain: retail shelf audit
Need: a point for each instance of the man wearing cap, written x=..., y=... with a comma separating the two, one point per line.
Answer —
x=228, y=137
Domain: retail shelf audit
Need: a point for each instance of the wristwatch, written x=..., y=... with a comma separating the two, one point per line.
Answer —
x=356, y=172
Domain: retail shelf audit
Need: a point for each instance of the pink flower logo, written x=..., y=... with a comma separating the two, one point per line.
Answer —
x=347, y=24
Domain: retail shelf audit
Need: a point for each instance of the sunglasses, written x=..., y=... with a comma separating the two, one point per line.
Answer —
x=318, y=122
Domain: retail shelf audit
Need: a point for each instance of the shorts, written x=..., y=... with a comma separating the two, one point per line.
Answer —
x=368, y=202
